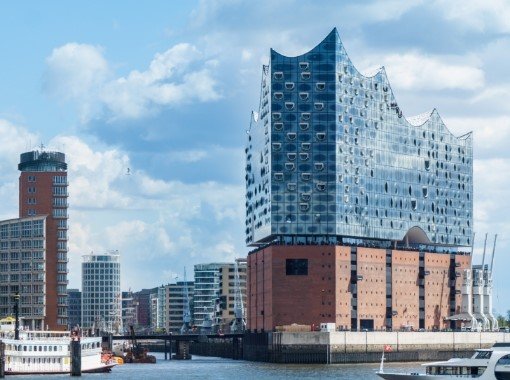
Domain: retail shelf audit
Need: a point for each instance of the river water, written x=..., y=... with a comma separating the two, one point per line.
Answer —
x=217, y=368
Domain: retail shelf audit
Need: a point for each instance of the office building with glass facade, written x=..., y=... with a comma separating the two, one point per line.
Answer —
x=101, y=295
x=344, y=192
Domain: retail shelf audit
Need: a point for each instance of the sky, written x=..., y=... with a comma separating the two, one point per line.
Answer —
x=151, y=102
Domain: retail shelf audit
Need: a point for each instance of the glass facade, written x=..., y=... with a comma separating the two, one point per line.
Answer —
x=330, y=156
x=101, y=295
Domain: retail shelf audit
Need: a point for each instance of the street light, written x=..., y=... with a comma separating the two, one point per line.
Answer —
x=16, y=316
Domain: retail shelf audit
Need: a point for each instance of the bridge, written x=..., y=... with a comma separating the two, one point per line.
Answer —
x=182, y=341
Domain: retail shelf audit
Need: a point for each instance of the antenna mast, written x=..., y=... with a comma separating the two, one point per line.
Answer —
x=239, y=324
x=186, y=315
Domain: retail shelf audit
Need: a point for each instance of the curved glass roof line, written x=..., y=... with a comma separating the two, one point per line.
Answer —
x=415, y=121
x=339, y=42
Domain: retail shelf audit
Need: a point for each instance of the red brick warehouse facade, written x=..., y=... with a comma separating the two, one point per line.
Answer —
x=353, y=287
x=43, y=191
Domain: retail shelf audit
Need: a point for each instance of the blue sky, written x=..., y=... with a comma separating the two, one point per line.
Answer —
x=166, y=90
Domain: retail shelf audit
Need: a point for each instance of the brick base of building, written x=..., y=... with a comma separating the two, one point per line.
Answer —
x=353, y=287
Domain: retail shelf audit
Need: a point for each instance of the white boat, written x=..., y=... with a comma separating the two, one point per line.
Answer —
x=48, y=352
x=485, y=364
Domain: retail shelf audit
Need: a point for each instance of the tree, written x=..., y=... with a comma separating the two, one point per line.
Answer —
x=502, y=322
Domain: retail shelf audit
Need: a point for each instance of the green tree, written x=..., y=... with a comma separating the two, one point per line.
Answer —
x=502, y=322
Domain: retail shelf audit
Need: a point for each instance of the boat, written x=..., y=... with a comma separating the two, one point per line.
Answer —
x=485, y=364
x=48, y=352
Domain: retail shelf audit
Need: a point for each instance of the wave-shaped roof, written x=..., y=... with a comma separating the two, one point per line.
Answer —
x=415, y=121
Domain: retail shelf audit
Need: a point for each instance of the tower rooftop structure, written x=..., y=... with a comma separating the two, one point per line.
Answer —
x=331, y=158
x=42, y=161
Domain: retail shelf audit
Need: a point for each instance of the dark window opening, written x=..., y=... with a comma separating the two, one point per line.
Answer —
x=296, y=267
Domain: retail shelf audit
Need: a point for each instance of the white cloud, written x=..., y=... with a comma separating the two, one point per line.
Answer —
x=80, y=73
x=481, y=15
x=493, y=99
x=378, y=11
x=416, y=71
x=76, y=72
x=491, y=184
x=95, y=176
x=13, y=140
x=491, y=134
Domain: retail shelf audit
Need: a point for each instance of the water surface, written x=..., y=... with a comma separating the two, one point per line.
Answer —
x=218, y=369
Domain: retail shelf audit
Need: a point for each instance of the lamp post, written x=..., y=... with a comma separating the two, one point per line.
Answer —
x=16, y=316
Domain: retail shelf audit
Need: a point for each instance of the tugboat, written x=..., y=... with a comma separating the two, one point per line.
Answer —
x=134, y=352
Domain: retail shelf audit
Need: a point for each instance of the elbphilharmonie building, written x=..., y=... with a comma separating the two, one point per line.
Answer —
x=331, y=155
x=359, y=214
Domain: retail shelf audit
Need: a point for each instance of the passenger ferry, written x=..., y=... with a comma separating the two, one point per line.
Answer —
x=48, y=352
x=487, y=364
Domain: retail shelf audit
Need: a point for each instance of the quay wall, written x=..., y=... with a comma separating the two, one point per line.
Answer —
x=344, y=346
x=374, y=341
x=365, y=347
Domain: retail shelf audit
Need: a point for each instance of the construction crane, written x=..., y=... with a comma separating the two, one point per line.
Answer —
x=186, y=314
x=239, y=323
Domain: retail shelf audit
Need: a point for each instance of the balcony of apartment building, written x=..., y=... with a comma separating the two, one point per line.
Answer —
x=60, y=181
x=60, y=213
x=60, y=191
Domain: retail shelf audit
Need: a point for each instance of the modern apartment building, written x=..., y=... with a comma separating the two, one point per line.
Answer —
x=23, y=269
x=363, y=210
x=128, y=311
x=214, y=293
x=43, y=191
x=175, y=302
x=101, y=295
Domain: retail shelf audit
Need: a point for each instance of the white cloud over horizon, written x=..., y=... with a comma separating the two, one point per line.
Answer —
x=79, y=73
x=481, y=15
x=416, y=71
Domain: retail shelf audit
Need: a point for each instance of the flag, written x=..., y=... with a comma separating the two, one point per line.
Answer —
x=387, y=348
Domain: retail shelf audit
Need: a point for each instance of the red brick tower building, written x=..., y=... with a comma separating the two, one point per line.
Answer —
x=43, y=191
